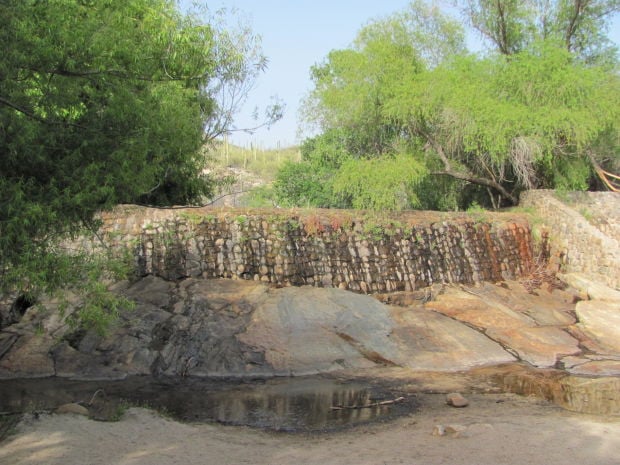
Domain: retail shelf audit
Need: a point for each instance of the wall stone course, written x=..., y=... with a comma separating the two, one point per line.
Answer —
x=326, y=248
x=584, y=230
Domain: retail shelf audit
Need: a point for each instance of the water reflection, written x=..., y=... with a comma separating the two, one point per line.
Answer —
x=299, y=404
x=292, y=404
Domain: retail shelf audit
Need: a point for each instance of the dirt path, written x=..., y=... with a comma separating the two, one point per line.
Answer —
x=497, y=429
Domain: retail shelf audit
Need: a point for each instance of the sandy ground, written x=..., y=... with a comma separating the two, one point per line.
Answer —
x=495, y=429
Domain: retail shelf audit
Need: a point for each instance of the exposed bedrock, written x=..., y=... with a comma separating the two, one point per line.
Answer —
x=446, y=299
x=220, y=328
x=225, y=328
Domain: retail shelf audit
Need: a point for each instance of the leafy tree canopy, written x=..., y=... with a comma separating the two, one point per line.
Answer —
x=105, y=102
x=541, y=109
x=510, y=124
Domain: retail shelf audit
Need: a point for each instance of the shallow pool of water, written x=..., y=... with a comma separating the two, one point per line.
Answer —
x=283, y=404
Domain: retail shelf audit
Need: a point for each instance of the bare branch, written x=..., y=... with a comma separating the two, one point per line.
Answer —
x=604, y=175
x=573, y=23
x=465, y=176
x=480, y=181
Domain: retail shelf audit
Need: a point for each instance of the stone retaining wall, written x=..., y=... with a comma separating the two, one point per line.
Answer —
x=328, y=248
x=584, y=230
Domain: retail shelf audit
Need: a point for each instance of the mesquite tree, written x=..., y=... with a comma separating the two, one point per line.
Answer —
x=540, y=109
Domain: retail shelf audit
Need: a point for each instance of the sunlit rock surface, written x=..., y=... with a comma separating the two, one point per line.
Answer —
x=223, y=328
x=533, y=329
x=246, y=329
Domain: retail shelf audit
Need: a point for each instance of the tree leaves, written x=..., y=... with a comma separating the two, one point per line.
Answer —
x=380, y=184
x=102, y=102
x=529, y=116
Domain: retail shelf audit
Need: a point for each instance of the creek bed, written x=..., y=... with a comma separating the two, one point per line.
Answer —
x=306, y=404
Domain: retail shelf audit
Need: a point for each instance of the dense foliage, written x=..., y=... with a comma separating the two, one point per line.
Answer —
x=104, y=102
x=436, y=127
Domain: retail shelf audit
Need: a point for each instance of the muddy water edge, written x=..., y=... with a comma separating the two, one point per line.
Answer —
x=305, y=404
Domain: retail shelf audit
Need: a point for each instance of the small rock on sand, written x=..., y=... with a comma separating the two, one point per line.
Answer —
x=455, y=399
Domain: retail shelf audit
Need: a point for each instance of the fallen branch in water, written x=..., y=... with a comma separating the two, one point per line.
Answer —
x=376, y=404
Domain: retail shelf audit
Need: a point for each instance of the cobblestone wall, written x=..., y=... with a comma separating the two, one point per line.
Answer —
x=584, y=229
x=328, y=248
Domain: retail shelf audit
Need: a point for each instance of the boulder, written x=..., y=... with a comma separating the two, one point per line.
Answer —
x=27, y=357
x=455, y=399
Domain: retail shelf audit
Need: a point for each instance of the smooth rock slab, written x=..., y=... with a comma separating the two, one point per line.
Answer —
x=540, y=346
x=594, y=289
x=545, y=316
x=430, y=341
x=535, y=332
x=597, y=368
x=478, y=311
x=308, y=330
x=601, y=320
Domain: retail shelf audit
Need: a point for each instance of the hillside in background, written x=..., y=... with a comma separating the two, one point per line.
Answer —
x=245, y=174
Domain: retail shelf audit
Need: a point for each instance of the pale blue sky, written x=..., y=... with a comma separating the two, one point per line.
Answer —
x=295, y=36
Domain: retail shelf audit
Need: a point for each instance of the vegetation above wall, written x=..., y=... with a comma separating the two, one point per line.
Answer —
x=405, y=123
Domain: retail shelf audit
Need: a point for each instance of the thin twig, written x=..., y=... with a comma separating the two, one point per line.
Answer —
x=375, y=404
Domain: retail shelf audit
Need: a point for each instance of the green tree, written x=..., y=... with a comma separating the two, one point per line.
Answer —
x=540, y=111
x=352, y=85
x=102, y=102
x=351, y=89
x=310, y=183
x=508, y=124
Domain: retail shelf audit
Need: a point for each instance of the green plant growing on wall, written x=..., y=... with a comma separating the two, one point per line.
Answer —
x=393, y=226
x=293, y=224
x=168, y=237
x=113, y=235
x=192, y=218
x=477, y=213
x=373, y=231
